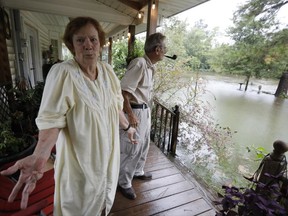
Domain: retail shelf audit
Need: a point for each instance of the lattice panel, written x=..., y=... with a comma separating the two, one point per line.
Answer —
x=4, y=105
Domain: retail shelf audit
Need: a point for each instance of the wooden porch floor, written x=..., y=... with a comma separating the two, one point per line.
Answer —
x=169, y=193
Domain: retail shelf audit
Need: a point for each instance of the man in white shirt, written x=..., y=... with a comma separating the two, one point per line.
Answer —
x=137, y=86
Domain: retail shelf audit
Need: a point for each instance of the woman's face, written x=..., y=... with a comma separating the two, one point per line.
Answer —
x=86, y=45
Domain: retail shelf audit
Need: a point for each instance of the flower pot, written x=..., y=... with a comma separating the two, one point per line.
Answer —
x=19, y=155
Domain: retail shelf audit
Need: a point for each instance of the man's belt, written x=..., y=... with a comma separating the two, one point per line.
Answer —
x=139, y=106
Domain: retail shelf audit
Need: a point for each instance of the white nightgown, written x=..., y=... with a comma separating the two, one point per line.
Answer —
x=87, y=149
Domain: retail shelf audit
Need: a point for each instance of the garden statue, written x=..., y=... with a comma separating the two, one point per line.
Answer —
x=271, y=176
x=273, y=167
x=268, y=195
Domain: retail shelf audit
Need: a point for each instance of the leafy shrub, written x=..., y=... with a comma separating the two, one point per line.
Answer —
x=263, y=201
x=9, y=143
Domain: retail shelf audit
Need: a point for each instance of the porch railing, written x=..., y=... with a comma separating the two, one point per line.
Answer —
x=164, y=128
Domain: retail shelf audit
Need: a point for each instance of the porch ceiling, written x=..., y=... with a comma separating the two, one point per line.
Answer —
x=114, y=15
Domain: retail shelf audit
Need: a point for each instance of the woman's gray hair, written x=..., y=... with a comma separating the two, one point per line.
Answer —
x=153, y=41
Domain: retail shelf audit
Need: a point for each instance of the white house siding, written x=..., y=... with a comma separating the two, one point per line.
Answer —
x=27, y=19
x=44, y=37
x=11, y=52
x=12, y=59
x=43, y=32
x=30, y=21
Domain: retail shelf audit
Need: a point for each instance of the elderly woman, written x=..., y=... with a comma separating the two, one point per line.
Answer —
x=80, y=112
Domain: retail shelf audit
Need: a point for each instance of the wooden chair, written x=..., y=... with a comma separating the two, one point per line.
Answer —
x=40, y=198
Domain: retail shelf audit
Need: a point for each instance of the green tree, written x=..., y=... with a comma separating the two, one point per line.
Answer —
x=277, y=55
x=260, y=47
x=175, y=32
x=198, y=44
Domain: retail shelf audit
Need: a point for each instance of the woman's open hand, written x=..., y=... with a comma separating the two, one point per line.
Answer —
x=31, y=170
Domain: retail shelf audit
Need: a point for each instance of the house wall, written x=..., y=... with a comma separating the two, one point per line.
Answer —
x=22, y=49
x=46, y=36
x=34, y=29
x=43, y=32
x=11, y=57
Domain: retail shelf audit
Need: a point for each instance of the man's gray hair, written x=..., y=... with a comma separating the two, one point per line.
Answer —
x=153, y=41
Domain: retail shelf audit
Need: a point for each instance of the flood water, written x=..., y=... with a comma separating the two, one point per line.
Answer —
x=257, y=118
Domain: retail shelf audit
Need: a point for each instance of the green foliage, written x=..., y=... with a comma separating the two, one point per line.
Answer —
x=250, y=201
x=120, y=55
x=166, y=71
x=21, y=122
x=198, y=45
x=260, y=47
x=191, y=45
x=175, y=32
x=283, y=95
x=25, y=108
x=197, y=125
x=259, y=152
x=9, y=142
x=265, y=10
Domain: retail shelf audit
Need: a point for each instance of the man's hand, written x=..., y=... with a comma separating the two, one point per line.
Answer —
x=31, y=170
x=131, y=133
x=132, y=118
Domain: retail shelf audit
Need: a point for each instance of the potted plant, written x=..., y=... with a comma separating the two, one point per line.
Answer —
x=18, y=133
x=14, y=147
x=248, y=201
x=24, y=109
